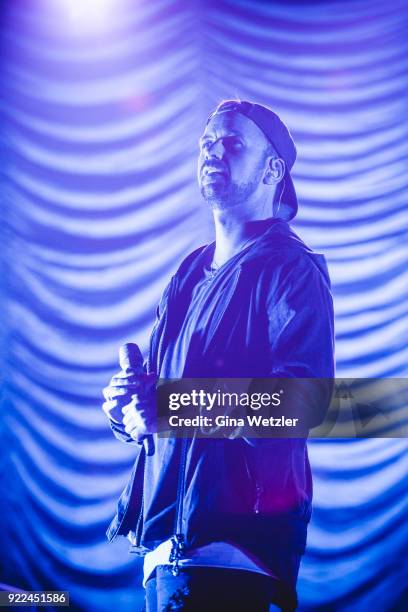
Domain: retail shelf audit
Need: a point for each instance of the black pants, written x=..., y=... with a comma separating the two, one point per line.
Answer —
x=201, y=589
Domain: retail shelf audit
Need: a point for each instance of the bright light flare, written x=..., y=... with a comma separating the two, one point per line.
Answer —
x=88, y=14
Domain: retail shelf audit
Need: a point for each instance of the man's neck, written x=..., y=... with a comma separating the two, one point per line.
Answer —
x=234, y=231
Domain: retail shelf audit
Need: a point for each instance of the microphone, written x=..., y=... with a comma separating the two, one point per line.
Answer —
x=131, y=358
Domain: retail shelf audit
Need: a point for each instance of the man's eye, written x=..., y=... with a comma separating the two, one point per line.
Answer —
x=233, y=144
x=229, y=143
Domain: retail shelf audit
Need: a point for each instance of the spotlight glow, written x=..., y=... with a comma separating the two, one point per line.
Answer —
x=88, y=14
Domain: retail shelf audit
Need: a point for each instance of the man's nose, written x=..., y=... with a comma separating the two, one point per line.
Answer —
x=216, y=149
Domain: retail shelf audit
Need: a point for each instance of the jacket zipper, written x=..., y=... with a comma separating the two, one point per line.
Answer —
x=178, y=543
x=258, y=487
x=138, y=530
x=258, y=494
x=139, y=523
x=177, y=539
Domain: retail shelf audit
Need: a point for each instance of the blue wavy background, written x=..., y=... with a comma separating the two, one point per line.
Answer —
x=99, y=143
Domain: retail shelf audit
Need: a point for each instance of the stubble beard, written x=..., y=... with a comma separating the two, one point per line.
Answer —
x=224, y=197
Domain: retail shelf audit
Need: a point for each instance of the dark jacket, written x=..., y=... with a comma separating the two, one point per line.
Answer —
x=272, y=317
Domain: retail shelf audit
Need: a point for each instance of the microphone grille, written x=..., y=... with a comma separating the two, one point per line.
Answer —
x=130, y=356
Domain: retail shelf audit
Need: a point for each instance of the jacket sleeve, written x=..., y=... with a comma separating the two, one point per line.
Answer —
x=301, y=334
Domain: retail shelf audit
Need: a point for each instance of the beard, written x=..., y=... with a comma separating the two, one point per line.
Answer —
x=223, y=194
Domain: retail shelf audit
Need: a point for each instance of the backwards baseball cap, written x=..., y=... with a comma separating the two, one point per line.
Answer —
x=279, y=136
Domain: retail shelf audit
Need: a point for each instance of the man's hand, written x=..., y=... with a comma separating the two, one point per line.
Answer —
x=130, y=399
x=139, y=416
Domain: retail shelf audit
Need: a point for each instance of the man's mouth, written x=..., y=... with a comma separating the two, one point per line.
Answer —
x=213, y=171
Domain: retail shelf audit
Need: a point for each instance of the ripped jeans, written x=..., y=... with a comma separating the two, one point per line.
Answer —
x=198, y=589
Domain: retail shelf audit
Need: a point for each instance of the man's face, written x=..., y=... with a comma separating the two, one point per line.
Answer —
x=232, y=160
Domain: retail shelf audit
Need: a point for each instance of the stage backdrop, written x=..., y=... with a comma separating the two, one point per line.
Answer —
x=102, y=106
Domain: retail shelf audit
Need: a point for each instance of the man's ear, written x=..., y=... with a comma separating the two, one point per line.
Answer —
x=274, y=171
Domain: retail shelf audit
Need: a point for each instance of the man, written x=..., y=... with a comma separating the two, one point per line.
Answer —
x=222, y=523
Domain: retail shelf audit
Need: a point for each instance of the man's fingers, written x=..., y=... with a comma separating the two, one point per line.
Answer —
x=123, y=384
x=132, y=430
x=111, y=393
x=107, y=407
x=128, y=417
x=133, y=434
x=112, y=411
x=128, y=406
x=129, y=381
x=105, y=392
x=131, y=375
x=137, y=415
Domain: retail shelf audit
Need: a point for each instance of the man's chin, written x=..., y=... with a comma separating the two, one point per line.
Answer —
x=217, y=199
x=216, y=203
x=221, y=203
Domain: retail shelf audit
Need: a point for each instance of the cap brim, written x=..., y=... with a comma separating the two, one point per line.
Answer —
x=288, y=206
